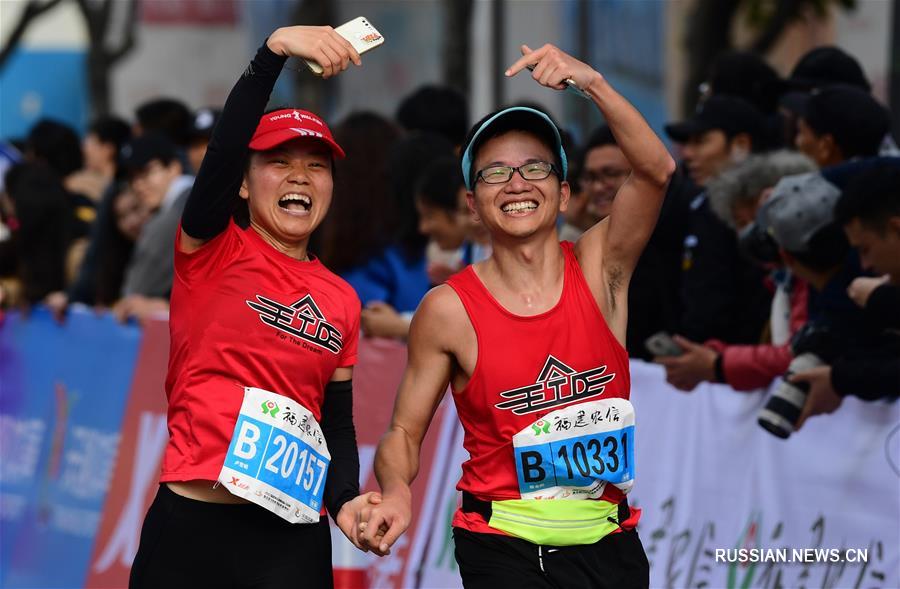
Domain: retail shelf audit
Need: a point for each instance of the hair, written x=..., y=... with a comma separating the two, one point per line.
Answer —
x=44, y=212
x=436, y=109
x=827, y=249
x=439, y=184
x=873, y=197
x=516, y=121
x=359, y=221
x=408, y=158
x=114, y=257
x=857, y=122
x=168, y=115
x=111, y=130
x=55, y=144
x=742, y=183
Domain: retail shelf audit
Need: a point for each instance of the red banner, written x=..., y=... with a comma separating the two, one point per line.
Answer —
x=190, y=12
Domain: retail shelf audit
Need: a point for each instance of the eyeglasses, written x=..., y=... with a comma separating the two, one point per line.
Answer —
x=603, y=175
x=529, y=171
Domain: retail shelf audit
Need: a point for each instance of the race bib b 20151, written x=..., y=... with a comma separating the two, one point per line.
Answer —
x=278, y=457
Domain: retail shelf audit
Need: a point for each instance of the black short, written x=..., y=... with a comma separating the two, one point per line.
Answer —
x=191, y=544
x=491, y=561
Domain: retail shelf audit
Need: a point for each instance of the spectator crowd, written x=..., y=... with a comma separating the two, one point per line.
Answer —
x=779, y=234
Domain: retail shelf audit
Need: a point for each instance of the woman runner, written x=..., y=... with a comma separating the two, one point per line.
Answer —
x=255, y=316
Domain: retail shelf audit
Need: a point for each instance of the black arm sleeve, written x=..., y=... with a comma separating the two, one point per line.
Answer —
x=212, y=198
x=866, y=379
x=882, y=310
x=342, y=484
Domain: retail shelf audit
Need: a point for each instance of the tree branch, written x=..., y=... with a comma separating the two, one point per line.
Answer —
x=32, y=10
x=128, y=40
x=786, y=12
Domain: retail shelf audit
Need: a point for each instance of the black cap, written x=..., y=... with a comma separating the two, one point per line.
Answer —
x=852, y=116
x=142, y=150
x=203, y=123
x=824, y=66
x=729, y=114
x=748, y=76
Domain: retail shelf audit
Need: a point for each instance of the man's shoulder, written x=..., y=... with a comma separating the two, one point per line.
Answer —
x=441, y=303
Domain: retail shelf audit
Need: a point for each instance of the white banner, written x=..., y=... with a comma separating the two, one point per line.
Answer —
x=711, y=482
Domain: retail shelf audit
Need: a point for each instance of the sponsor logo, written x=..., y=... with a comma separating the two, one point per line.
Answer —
x=302, y=320
x=556, y=385
x=270, y=408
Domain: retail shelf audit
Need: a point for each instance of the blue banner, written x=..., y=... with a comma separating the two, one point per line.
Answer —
x=63, y=390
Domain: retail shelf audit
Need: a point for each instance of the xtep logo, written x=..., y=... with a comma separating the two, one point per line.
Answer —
x=556, y=385
x=303, y=320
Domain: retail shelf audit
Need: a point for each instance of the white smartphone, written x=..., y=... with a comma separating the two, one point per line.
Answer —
x=361, y=34
x=662, y=344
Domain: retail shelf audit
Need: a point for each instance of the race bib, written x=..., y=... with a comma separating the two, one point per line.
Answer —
x=572, y=453
x=278, y=457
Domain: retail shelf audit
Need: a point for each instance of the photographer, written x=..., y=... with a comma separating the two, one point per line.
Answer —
x=869, y=211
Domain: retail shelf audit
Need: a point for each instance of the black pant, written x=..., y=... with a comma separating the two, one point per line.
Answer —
x=192, y=544
x=491, y=561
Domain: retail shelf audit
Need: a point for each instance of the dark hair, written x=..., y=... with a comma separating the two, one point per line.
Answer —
x=436, y=109
x=515, y=121
x=408, y=158
x=852, y=116
x=827, y=249
x=113, y=258
x=361, y=214
x=55, y=144
x=872, y=197
x=440, y=183
x=168, y=115
x=112, y=130
x=44, y=212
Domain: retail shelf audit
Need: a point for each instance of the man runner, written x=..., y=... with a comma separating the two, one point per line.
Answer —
x=531, y=343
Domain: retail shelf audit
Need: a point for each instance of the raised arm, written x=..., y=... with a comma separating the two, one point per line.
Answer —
x=609, y=251
x=424, y=383
x=215, y=189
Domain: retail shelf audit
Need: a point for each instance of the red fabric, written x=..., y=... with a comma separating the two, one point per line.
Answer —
x=749, y=368
x=513, y=351
x=283, y=125
x=222, y=296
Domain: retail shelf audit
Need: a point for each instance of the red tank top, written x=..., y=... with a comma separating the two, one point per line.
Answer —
x=526, y=368
x=244, y=314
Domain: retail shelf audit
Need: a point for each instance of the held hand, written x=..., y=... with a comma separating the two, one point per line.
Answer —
x=695, y=365
x=552, y=67
x=822, y=398
x=315, y=43
x=355, y=512
x=861, y=288
x=386, y=523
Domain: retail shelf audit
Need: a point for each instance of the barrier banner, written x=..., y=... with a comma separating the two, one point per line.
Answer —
x=62, y=394
x=725, y=503
x=711, y=482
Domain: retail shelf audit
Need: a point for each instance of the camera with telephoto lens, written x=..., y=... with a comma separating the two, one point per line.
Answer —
x=814, y=345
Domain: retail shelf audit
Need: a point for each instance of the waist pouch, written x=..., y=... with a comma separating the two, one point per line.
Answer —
x=551, y=522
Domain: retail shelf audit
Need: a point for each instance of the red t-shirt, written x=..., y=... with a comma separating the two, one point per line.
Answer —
x=244, y=314
x=528, y=367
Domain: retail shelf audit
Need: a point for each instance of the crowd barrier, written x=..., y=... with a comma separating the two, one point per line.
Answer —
x=83, y=427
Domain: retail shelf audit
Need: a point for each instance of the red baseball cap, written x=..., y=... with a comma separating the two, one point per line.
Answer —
x=283, y=125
